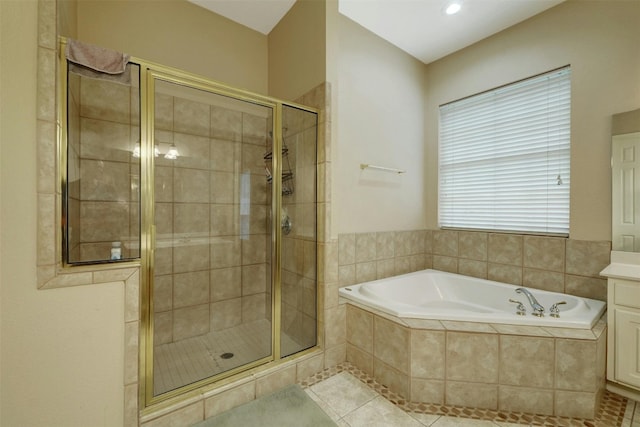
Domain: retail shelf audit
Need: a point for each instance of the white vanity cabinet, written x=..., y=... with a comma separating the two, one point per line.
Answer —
x=623, y=318
x=624, y=323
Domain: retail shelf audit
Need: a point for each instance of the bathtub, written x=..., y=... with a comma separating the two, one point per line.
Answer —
x=441, y=338
x=437, y=295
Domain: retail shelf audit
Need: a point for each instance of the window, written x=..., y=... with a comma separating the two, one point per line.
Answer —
x=504, y=158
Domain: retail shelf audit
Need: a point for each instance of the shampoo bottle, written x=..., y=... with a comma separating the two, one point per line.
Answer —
x=116, y=250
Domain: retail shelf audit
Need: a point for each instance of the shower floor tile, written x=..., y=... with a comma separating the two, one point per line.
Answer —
x=193, y=359
x=615, y=411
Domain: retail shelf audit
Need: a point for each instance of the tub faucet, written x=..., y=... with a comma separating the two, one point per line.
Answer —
x=538, y=310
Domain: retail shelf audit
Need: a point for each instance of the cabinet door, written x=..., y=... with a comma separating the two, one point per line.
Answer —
x=628, y=347
x=625, y=157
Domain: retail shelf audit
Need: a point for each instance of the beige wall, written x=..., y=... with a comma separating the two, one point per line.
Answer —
x=61, y=350
x=627, y=122
x=181, y=35
x=67, y=19
x=2, y=138
x=297, y=51
x=599, y=40
x=380, y=113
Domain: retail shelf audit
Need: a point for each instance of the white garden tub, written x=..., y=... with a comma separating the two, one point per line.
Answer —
x=437, y=295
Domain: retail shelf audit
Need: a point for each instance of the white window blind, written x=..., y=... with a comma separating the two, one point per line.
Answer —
x=504, y=157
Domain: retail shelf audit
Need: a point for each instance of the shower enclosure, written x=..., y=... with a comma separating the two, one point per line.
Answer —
x=217, y=188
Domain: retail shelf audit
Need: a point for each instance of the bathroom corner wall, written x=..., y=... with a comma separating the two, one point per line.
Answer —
x=380, y=113
x=370, y=256
x=331, y=316
x=301, y=48
x=550, y=263
x=297, y=51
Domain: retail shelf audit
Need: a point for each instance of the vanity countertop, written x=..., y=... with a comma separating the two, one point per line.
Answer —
x=624, y=265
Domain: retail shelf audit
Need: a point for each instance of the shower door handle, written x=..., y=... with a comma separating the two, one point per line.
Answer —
x=286, y=224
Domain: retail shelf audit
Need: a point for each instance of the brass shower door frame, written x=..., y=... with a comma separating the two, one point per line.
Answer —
x=149, y=73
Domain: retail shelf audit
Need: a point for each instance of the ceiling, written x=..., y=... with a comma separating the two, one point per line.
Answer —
x=419, y=27
x=260, y=15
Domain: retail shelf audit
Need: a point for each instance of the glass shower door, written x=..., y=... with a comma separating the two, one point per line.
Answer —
x=211, y=284
x=299, y=230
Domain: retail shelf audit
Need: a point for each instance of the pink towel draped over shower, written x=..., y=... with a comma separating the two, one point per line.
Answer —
x=96, y=61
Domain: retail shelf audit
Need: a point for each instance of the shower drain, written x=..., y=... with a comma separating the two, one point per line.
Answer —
x=226, y=355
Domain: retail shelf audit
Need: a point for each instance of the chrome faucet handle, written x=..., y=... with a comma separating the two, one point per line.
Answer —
x=520, y=309
x=555, y=310
x=538, y=310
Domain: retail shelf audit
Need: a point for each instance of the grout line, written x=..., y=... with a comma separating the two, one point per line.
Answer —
x=411, y=414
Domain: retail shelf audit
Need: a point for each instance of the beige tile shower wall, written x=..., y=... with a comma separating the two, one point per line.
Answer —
x=107, y=174
x=370, y=256
x=550, y=263
x=213, y=202
x=536, y=370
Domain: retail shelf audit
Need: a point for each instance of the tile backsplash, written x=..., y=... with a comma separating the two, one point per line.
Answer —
x=541, y=262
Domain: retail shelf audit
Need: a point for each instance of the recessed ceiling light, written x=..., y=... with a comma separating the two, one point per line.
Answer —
x=453, y=8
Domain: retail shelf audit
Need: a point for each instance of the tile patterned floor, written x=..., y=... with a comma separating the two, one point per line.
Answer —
x=353, y=399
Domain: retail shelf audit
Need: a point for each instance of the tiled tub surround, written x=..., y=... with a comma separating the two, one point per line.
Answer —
x=539, y=370
x=550, y=263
